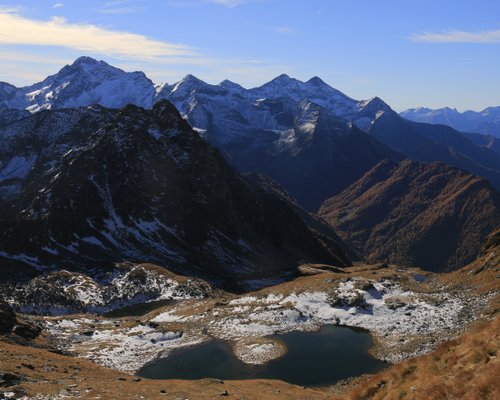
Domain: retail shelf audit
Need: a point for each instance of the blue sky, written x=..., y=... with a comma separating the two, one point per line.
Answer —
x=410, y=53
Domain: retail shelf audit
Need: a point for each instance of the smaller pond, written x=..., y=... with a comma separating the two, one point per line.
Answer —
x=419, y=278
x=138, y=310
x=313, y=359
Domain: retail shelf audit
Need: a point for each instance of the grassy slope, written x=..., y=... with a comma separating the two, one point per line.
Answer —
x=464, y=368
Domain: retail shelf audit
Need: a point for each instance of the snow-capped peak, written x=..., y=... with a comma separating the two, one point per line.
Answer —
x=89, y=81
x=88, y=61
x=86, y=81
x=190, y=83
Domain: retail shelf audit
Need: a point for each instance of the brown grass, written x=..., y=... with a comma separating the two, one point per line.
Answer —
x=466, y=368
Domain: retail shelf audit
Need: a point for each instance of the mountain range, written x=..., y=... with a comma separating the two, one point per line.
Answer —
x=486, y=122
x=314, y=140
x=156, y=192
x=310, y=138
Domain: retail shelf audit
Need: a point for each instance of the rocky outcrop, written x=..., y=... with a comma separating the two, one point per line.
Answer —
x=7, y=318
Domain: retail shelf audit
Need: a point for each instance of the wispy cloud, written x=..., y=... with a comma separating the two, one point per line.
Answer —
x=225, y=3
x=228, y=3
x=284, y=29
x=458, y=37
x=18, y=30
x=9, y=9
x=58, y=5
x=122, y=10
x=121, y=7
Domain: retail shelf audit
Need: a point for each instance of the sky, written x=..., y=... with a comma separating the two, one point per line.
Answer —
x=411, y=53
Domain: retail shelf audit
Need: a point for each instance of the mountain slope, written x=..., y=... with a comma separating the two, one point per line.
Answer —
x=470, y=358
x=306, y=135
x=317, y=224
x=98, y=186
x=8, y=115
x=276, y=130
x=490, y=142
x=430, y=215
x=485, y=122
x=429, y=143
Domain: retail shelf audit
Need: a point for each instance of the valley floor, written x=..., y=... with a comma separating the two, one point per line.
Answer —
x=408, y=312
x=406, y=317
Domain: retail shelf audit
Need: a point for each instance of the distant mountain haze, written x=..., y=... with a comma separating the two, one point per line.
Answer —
x=485, y=122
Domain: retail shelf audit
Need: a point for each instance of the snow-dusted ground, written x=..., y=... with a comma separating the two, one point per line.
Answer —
x=258, y=352
x=404, y=323
x=393, y=314
x=125, y=349
x=69, y=292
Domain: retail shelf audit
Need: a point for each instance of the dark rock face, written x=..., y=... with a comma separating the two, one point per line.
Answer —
x=9, y=115
x=7, y=318
x=26, y=330
x=408, y=213
x=89, y=187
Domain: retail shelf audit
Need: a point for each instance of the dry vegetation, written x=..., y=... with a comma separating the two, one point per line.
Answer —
x=410, y=213
x=466, y=368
